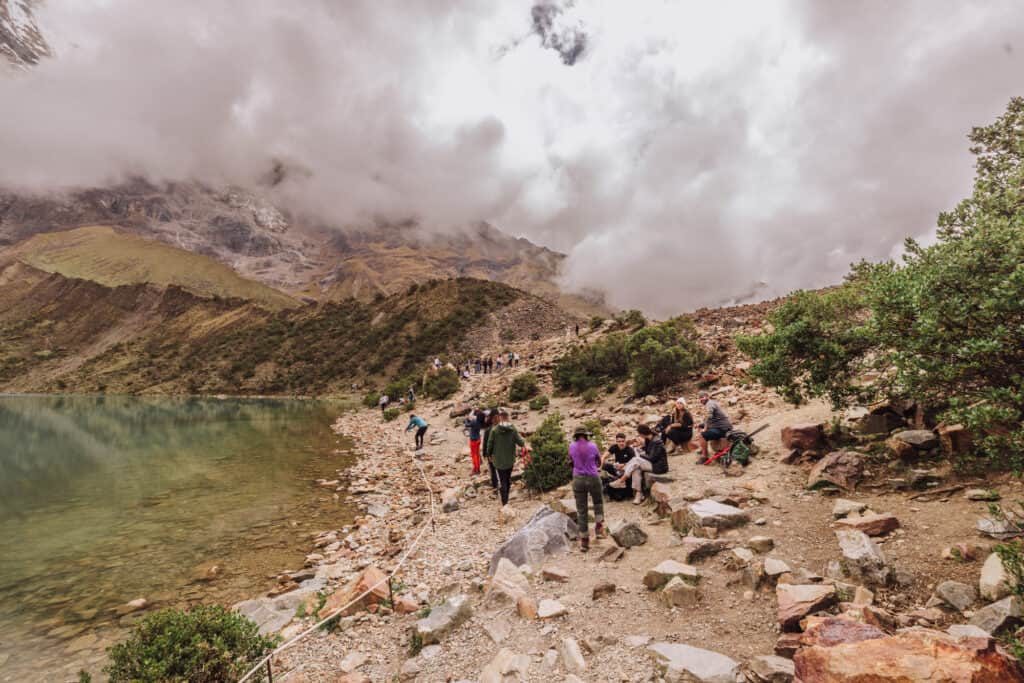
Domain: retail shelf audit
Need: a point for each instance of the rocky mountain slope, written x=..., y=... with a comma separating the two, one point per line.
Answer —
x=21, y=43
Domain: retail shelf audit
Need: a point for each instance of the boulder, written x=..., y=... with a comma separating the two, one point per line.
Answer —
x=546, y=533
x=995, y=582
x=506, y=667
x=572, y=658
x=912, y=442
x=967, y=631
x=602, y=589
x=986, y=495
x=679, y=662
x=567, y=506
x=506, y=585
x=958, y=595
x=761, y=544
x=628, y=534
x=829, y=631
x=999, y=614
x=450, y=500
x=710, y=513
x=844, y=507
x=663, y=573
x=862, y=559
x=371, y=581
x=769, y=669
x=797, y=601
x=696, y=548
x=804, y=437
x=841, y=468
x=911, y=655
x=872, y=525
x=443, y=619
x=460, y=410
x=550, y=609
x=678, y=593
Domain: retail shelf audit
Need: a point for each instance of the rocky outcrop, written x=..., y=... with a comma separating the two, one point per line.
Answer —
x=797, y=601
x=546, y=533
x=842, y=468
x=804, y=437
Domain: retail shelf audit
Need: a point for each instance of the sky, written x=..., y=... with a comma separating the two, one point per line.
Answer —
x=681, y=154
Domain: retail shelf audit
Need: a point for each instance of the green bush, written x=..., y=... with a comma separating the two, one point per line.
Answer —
x=596, y=432
x=539, y=403
x=589, y=396
x=593, y=365
x=391, y=413
x=661, y=355
x=206, y=644
x=443, y=384
x=596, y=322
x=630, y=320
x=945, y=327
x=549, y=465
x=371, y=400
x=523, y=387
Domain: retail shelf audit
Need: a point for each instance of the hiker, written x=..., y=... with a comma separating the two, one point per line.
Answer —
x=652, y=459
x=577, y=329
x=476, y=366
x=612, y=464
x=501, y=448
x=679, y=430
x=412, y=394
x=490, y=365
x=475, y=423
x=515, y=359
x=586, y=482
x=499, y=363
x=383, y=402
x=421, y=424
x=714, y=428
x=489, y=420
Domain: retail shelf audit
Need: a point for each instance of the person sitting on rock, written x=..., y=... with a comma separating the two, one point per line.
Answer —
x=501, y=449
x=614, y=461
x=421, y=424
x=714, y=428
x=652, y=459
x=586, y=484
x=679, y=431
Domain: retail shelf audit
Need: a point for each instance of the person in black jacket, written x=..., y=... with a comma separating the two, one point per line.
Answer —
x=653, y=459
x=679, y=430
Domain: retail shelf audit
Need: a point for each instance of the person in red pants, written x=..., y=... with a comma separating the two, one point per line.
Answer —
x=475, y=424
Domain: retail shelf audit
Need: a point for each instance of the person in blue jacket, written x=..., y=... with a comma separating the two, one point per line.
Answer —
x=417, y=421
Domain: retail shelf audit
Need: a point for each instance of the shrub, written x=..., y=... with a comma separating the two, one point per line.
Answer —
x=596, y=322
x=539, y=403
x=443, y=384
x=549, y=465
x=206, y=644
x=391, y=413
x=371, y=400
x=659, y=356
x=593, y=365
x=523, y=387
x=945, y=327
x=630, y=320
x=590, y=395
x=596, y=432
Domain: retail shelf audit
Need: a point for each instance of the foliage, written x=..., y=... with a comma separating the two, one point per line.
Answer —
x=596, y=430
x=523, y=386
x=592, y=365
x=371, y=400
x=392, y=413
x=945, y=327
x=539, y=403
x=660, y=355
x=596, y=322
x=630, y=320
x=442, y=384
x=549, y=465
x=84, y=676
x=208, y=643
x=1012, y=556
x=589, y=396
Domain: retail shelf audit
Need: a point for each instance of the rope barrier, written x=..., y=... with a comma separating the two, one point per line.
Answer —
x=387, y=580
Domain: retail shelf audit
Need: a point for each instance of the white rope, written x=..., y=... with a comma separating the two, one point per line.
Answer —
x=423, y=527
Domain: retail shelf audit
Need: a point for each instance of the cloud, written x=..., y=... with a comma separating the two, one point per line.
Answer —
x=680, y=153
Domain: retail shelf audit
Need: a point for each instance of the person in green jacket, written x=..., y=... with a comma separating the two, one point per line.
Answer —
x=501, y=449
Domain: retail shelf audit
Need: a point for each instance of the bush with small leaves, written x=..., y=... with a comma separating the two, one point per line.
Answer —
x=392, y=413
x=549, y=466
x=539, y=403
x=523, y=386
x=443, y=384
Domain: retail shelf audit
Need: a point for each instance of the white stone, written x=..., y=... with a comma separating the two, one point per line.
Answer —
x=681, y=662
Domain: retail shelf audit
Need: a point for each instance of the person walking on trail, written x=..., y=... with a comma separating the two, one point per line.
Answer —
x=715, y=427
x=421, y=428
x=501, y=447
x=586, y=483
x=475, y=424
x=412, y=394
x=383, y=403
x=490, y=420
x=652, y=459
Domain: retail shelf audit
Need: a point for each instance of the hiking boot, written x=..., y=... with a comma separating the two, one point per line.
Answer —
x=639, y=498
x=618, y=484
x=584, y=543
x=600, y=531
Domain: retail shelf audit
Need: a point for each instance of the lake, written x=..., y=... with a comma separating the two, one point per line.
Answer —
x=107, y=499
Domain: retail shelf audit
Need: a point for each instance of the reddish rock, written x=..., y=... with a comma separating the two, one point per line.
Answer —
x=787, y=644
x=911, y=656
x=841, y=468
x=371, y=578
x=803, y=437
x=872, y=525
x=797, y=601
x=406, y=605
x=829, y=631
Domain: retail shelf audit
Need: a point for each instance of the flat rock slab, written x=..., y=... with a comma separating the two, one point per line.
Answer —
x=797, y=601
x=770, y=669
x=872, y=525
x=999, y=614
x=843, y=507
x=681, y=662
x=710, y=513
x=547, y=533
x=443, y=619
x=663, y=573
x=957, y=595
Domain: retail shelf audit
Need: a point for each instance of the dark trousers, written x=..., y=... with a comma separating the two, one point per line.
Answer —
x=494, y=474
x=419, y=436
x=679, y=435
x=504, y=484
x=584, y=486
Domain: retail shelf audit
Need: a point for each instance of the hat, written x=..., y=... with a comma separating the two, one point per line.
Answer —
x=681, y=401
x=580, y=431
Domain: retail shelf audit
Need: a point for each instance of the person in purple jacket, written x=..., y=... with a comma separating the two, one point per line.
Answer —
x=586, y=481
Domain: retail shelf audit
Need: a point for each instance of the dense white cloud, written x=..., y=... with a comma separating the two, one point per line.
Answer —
x=689, y=152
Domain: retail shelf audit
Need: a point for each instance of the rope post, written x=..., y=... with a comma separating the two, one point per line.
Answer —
x=391, y=592
x=270, y=673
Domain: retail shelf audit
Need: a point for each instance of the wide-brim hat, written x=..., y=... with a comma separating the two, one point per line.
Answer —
x=580, y=431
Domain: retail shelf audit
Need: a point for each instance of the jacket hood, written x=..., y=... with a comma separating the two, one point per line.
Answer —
x=505, y=427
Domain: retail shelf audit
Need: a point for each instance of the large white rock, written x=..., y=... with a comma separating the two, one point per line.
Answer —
x=995, y=583
x=711, y=513
x=443, y=618
x=862, y=558
x=681, y=663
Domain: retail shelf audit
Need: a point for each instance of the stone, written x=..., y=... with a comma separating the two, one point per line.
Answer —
x=954, y=439
x=911, y=442
x=556, y=574
x=526, y=607
x=567, y=506
x=678, y=593
x=410, y=670
x=444, y=618
x=679, y=662
x=841, y=468
x=804, y=437
x=862, y=596
x=612, y=554
x=774, y=567
x=915, y=654
x=663, y=573
x=879, y=421
x=761, y=544
x=787, y=644
x=981, y=494
x=739, y=558
x=602, y=589
x=550, y=609
x=661, y=494
x=769, y=669
x=872, y=525
x=507, y=584
x=506, y=515
x=545, y=534
x=843, y=507
x=999, y=614
x=710, y=513
x=572, y=658
x=999, y=529
x=628, y=534
x=957, y=595
x=862, y=559
x=372, y=581
x=967, y=631
x=797, y=601
x=450, y=500
x=498, y=629
x=131, y=606
x=828, y=631
x=506, y=667
x=696, y=548
x=995, y=582
x=406, y=605
x=352, y=661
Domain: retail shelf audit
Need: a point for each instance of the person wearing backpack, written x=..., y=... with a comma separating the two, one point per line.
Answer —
x=501, y=447
x=475, y=424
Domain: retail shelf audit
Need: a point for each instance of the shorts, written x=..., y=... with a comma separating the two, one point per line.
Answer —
x=713, y=434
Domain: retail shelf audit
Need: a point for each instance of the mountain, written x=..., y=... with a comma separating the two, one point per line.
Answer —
x=21, y=43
